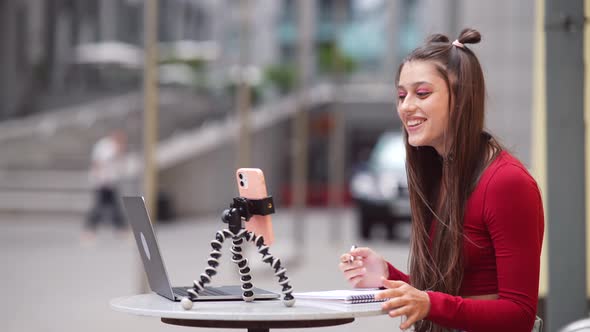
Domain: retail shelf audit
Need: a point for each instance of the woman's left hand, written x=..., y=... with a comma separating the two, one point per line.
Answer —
x=404, y=300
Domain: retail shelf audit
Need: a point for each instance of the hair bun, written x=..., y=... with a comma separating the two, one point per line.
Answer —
x=469, y=36
x=437, y=38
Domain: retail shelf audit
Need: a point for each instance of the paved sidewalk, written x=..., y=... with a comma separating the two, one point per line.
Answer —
x=52, y=283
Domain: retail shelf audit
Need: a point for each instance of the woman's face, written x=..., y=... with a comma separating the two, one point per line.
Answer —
x=423, y=104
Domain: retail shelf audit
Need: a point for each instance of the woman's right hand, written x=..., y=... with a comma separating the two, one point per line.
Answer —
x=366, y=270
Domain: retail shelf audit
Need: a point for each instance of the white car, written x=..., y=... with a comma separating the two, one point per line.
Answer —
x=380, y=187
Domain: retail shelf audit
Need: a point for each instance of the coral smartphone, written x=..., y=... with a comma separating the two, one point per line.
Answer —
x=251, y=185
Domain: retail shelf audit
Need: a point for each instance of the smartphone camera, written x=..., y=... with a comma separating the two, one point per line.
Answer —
x=243, y=180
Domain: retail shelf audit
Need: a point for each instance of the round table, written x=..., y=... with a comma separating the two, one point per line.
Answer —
x=256, y=316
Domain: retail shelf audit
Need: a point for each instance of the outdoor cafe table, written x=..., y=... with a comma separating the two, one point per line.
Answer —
x=256, y=316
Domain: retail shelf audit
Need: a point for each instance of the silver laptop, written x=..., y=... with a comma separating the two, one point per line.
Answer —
x=153, y=264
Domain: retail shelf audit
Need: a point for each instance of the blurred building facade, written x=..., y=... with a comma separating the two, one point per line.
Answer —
x=41, y=67
x=358, y=44
x=42, y=37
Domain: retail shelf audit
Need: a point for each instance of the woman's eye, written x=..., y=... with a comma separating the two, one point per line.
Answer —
x=401, y=96
x=422, y=94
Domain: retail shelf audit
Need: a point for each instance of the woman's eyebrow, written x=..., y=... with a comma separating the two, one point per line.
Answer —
x=414, y=84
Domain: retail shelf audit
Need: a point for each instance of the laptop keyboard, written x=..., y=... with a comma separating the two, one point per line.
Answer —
x=207, y=291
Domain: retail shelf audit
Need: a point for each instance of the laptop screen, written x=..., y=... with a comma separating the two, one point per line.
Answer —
x=145, y=237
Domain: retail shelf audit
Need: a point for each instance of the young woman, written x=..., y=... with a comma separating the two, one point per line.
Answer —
x=477, y=214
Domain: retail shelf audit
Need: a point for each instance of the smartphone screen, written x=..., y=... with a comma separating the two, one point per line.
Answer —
x=251, y=185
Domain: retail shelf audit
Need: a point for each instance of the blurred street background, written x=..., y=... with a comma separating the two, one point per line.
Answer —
x=302, y=89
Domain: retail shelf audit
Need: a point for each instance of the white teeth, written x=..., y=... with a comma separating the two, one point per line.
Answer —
x=414, y=122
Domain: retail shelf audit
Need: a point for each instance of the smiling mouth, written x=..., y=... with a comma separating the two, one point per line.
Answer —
x=415, y=123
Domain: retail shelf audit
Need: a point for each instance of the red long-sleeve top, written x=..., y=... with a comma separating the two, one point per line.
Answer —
x=504, y=223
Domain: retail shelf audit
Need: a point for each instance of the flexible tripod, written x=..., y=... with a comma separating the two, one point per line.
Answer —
x=241, y=208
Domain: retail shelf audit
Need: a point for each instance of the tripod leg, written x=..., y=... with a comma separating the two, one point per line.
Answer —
x=210, y=271
x=238, y=258
x=275, y=263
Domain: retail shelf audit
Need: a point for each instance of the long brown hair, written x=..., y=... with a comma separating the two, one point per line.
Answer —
x=439, y=186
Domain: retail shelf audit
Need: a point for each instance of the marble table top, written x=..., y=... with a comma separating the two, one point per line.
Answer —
x=261, y=310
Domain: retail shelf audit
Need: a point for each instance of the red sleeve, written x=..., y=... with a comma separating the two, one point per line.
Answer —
x=513, y=213
x=395, y=274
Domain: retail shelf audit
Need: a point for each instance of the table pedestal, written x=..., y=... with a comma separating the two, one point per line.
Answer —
x=258, y=326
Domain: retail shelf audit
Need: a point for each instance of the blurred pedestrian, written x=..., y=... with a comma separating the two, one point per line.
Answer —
x=107, y=169
x=477, y=214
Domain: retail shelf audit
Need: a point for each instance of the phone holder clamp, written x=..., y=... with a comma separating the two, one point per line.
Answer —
x=245, y=208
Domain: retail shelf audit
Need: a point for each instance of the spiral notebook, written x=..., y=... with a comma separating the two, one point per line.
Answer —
x=349, y=296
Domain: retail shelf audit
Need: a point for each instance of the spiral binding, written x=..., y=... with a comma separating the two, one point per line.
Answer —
x=365, y=298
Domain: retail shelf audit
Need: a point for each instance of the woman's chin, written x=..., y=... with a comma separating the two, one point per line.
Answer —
x=416, y=141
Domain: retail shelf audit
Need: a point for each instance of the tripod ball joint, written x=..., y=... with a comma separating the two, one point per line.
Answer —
x=186, y=303
x=226, y=215
x=289, y=300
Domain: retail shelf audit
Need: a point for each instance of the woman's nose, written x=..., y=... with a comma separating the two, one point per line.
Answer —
x=407, y=106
